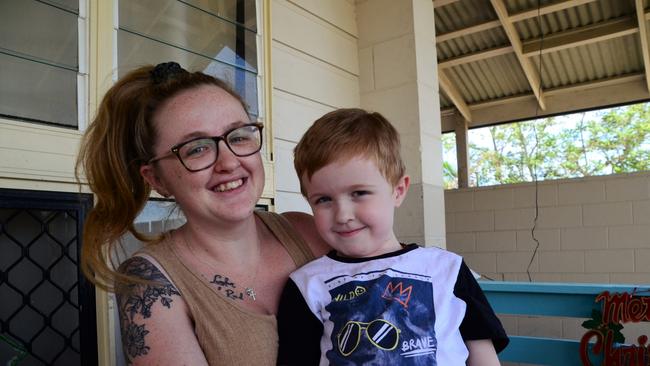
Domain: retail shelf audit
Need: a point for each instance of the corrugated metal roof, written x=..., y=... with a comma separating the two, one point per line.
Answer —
x=585, y=41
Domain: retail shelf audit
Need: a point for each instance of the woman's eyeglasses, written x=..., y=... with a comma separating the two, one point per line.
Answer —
x=379, y=332
x=202, y=152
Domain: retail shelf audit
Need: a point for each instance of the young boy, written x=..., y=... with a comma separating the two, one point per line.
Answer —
x=374, y=300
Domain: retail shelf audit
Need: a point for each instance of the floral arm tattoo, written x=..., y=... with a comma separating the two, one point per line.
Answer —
x=138, y=298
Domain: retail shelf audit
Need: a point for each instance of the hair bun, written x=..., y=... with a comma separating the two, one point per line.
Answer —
x=165, y=71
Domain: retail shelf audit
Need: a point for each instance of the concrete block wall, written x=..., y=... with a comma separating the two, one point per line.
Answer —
x=398, y=79
x=315, y=66
x=594, y=229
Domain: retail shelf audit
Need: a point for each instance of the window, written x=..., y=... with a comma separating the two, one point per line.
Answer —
x=606, y=141
x=217, y=37
x=39, y=60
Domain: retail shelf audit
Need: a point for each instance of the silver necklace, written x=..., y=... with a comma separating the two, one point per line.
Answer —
x=248, y=290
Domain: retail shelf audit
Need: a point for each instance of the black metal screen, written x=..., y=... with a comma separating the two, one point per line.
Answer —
x=47, y=308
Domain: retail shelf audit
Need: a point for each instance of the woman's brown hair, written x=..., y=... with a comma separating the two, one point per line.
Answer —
x=117, y=143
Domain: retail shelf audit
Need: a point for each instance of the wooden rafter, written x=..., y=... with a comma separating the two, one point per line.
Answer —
x=526, y=65
x=599, y=32
x=441, y=3
x=476, y=56
x=583, y=35
x=454, y=95
x=546, y=9
x=621, y=88
x=564, y=90
x=490, y=24
x=643, y=38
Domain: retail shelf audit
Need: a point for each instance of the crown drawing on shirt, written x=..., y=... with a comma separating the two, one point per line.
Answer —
x=398, y=293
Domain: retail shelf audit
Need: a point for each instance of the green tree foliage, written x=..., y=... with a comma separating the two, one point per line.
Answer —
x=611, y=141
x=449, y=170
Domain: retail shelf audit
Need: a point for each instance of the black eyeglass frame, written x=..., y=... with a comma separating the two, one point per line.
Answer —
x=176, y=148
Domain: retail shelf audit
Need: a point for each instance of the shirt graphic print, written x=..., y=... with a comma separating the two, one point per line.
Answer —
x=382, y=317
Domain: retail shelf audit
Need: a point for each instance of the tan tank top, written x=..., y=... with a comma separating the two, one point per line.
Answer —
x=228, y=333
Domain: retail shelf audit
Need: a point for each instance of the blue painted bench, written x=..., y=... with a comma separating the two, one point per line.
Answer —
x=567, y=300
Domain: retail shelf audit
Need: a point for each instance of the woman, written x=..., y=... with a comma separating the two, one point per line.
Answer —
x=207, y=292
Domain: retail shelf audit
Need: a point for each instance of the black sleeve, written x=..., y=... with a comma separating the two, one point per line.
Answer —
x=299, y=330
x=479, y=322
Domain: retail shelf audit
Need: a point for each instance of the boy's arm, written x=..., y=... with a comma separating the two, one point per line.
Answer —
x=299, y=330
x=480, y=322
x=482, y=353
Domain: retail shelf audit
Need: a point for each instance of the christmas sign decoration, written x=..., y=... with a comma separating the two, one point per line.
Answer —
x=605, y=329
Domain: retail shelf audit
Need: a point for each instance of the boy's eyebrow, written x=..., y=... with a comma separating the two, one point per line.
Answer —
x=354, y=187
x=362, y=185
x=314, y=195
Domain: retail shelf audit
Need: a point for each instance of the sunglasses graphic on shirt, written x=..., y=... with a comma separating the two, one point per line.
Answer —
x=379, y=332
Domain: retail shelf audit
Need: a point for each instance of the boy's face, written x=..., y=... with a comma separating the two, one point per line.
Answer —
x=353, y=206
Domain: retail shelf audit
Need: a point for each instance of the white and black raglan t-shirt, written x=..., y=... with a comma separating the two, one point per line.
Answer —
x=416, y=306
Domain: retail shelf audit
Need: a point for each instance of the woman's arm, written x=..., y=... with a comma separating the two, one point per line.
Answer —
x=304, y=224
x=482, y=353
x=155, y=324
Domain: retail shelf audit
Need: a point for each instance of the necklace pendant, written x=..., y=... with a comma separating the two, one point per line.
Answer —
x=250, y=292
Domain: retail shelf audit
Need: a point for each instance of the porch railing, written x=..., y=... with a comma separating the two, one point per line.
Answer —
x=619, y=303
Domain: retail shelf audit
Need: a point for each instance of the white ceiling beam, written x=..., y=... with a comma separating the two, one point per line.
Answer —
x=572, y=38
x=643, y=38
x=526, y=65
x=547, y=9
x=588, y=95
x=476, y=56
x=581, y=36
x=564, y=90
x=454, y=95
x=490, y=24
x=441, y=3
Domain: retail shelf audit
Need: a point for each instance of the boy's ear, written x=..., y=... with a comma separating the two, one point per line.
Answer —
x=400, y=189
x=149, y=174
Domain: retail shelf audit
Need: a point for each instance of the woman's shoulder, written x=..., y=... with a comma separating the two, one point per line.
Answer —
x=143, y=277
x=304, y=224
x=143, y=267
x=155, y=321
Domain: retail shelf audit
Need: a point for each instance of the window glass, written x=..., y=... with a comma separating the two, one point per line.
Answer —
x=242, y=12
x=135, y=50
x=37, y=92
x=214, y=36
x=71, y=5
x=54, y=40
x=39, y=60
x=156, y=217
x=182, y=26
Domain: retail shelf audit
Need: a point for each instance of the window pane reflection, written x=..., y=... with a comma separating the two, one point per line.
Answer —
x=186, y=27
x=228, y=9
x=38, y=31
x=135, y=51
x=38, y=92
